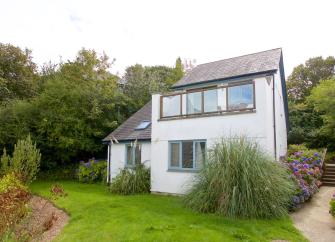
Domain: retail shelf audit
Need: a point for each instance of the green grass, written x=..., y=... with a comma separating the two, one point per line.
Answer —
x=96, y=215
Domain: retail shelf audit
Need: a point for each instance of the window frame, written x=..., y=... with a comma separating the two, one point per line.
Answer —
x=223, y=86
x=253, y=96
x=133, y=152
x=180, y=166
x=180, y=103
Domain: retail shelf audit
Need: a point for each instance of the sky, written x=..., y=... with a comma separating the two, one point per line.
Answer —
x=156, y=32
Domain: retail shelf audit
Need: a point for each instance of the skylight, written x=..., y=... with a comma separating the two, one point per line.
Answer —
x=143, y=125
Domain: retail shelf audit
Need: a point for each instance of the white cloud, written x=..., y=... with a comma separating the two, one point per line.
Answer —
x=156, y=32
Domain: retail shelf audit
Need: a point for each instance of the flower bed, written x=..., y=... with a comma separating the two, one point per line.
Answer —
x=306, y=167
x=92, y=171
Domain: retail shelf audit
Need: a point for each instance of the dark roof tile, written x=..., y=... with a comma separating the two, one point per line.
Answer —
x=233, y=67
x=126, y=131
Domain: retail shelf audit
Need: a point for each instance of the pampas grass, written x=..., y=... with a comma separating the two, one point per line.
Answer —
x=240, y=180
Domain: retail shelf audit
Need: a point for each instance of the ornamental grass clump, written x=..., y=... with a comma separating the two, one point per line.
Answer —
x=240, y=180
x=131, y=181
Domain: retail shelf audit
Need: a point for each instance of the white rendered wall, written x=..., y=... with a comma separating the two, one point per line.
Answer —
x=257, y=126
x=281, y=129
x=118, y=157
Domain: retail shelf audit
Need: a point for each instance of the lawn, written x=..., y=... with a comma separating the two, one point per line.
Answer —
x=97, y=215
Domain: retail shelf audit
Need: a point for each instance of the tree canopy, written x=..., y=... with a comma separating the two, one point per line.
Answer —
x=69, y=107
x=305, y=77
x=17, y=73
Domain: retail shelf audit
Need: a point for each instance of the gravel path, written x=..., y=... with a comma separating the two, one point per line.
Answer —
x=314, y=219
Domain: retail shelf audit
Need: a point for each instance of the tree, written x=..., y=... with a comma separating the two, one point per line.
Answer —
x=323, y=99
x=142, y=81
x=305, y=77
x=17, y=73
x=179, y=69
x=78, y=104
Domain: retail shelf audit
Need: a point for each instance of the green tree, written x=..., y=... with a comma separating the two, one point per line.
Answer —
x=323, y=99
x=17, y=73
x=79, y=102
x=179, y=70
x=305, y=77
x=140, y=82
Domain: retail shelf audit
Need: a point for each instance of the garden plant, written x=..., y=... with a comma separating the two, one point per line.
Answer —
x=240, y=180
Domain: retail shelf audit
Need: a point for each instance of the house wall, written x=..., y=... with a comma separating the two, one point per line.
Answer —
x=118, y=157
x=257, y=126
x=281, y=129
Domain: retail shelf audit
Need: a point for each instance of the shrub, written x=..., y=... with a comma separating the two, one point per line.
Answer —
x=306, y=168
x=92, y=171
x=332, y=206
x=240, y=180
x=24, y=162
x=13, y=199
x=59, y=173
x=131, y=181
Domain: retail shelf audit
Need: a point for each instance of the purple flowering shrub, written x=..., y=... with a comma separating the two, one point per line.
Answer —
x=92, y=171
x=306, y=168
x=332, y=205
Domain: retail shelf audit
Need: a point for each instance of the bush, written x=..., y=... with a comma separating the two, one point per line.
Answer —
x=59, y=173
x=13, y=199
x=92, y=171
x=24, y=162
x=240, y=180
x=306, y=169
x=332, y=206
x=131, y=181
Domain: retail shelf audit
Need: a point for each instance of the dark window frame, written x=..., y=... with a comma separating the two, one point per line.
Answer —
x=225, y=86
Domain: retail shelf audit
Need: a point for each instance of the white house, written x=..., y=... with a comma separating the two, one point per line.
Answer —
x=244, y=95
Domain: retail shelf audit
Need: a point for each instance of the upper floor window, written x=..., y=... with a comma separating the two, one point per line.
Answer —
x=187, y=155
x=229, y=98
x=194, y=102
x=211, y=102
x=241, y=97
x=171, y=106
x=133, y=154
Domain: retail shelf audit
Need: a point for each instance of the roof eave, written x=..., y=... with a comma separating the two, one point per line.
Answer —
x=232, y=78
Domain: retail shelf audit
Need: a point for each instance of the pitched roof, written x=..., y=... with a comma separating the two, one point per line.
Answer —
x=126, y=131
x=233, y=67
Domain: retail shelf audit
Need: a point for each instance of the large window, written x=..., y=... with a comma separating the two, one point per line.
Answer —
x=241, y=97
x=187, y=155
x=230, y=97
x=133, y=155
x=211, y=100
x=171, y=106
x=194, y=102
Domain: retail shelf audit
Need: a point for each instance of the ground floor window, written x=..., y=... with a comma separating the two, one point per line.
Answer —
x=133, y=154
x=187, y=154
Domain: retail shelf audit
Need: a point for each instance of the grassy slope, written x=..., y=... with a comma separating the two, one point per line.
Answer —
x=97, y=215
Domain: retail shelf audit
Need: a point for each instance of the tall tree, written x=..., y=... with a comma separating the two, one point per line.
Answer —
x=305, y=77
x=17, y=73
x=141, y=81
x=179, y=69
